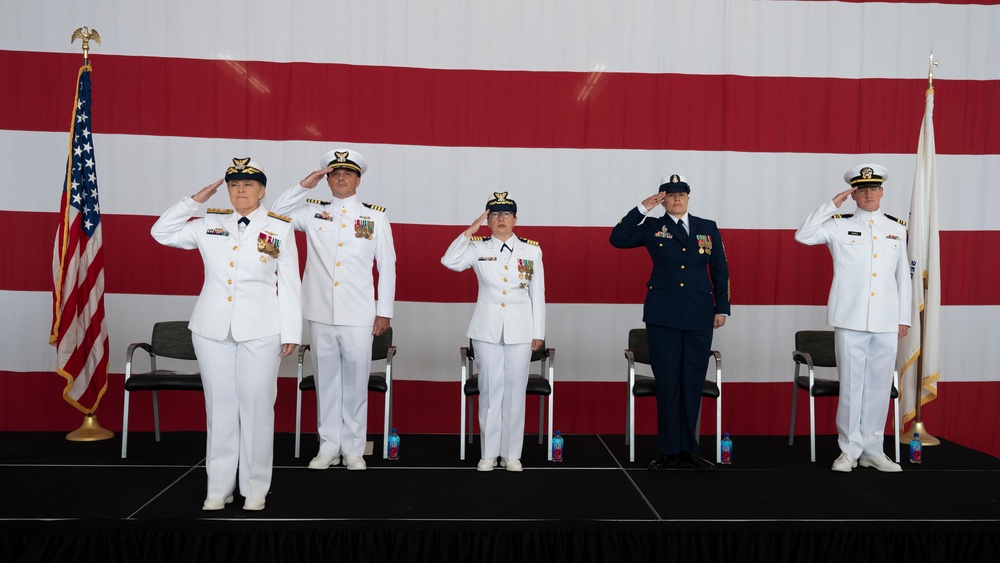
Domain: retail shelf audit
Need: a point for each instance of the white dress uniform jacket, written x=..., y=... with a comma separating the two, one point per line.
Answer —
x=344, y=237
x=240, y=276
x=871, y=278
x=511, y=290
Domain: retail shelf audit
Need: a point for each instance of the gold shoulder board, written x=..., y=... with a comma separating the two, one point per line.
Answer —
x=219, y=211
x=842, y=216
x=528, y=241
x=375, y=207
x=279, y=217
x=318, y=201
x=900, y=221
x=479, y=239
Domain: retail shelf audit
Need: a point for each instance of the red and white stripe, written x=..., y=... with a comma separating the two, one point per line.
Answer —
x=576, y=112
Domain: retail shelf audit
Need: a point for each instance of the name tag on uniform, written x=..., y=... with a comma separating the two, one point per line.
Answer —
x=487, y=258
x=854, y=233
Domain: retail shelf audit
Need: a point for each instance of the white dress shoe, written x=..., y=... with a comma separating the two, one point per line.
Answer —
x=513, y=465
x=880, y=462
x=486, y=464
x=253, y=504
x=355, y=463
x=323, y=461
x=845, y=463
x=215, y=503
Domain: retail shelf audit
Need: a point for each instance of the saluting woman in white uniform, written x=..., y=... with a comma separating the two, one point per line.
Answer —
x=507, y=325
x=247, y=317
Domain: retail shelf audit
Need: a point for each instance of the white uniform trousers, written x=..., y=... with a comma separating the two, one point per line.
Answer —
x=241, y=384
x=503, y=381
x=865, y=361
x=343, y=360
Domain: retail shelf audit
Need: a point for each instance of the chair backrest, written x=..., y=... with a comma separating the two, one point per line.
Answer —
x=381, y=344
x=536, y=355
x=819, y=344
x=639, y=344
x=172, y=339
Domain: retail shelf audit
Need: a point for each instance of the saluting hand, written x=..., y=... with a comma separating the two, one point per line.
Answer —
x=206, y=192
x=312, y=180
x=840, y=198
x=476, y=224
x=652, y=201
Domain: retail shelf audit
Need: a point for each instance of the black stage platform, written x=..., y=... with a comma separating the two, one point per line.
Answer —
x=70, y=501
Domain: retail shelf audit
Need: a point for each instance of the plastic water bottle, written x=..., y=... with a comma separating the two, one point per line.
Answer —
x=393, y=445
x=727, y=449
x=916, y=449
x=557, y=447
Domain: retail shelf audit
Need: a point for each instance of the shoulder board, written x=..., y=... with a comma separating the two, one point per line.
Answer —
x=279, y=217
x=219, y=211
x=318, y=201
x=528, y=241
x=479, y=239
x=375, y=207
x=842, y=216
x=900, y=221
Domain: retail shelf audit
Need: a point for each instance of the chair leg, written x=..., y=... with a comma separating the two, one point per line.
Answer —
x=812, y=428
x=791, y=426
x=298, y=419
x=156, y=416
x=895, y=412
x=552, y=397
x=541, y=418
x=385, y=428
x=630, y=435
x=125, y=426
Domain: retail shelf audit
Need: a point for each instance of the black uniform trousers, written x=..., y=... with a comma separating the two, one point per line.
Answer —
x=679, y=360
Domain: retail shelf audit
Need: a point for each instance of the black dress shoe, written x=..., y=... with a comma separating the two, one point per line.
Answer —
x=663, y=462
x=695, y=461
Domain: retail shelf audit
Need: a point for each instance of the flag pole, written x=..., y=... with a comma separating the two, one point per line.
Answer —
x=90, y=430
x=918, y=426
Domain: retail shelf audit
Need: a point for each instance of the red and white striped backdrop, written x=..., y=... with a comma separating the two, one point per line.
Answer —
x=576, y=109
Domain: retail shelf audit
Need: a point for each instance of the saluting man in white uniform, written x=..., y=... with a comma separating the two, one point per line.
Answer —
x=248, y=315
x=869, y=308
x=345, y=238
x=507, y=325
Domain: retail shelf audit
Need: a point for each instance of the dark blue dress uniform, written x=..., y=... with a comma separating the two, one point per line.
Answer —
x=688, y=286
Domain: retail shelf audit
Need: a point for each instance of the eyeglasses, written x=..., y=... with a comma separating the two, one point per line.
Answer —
x=504, y=214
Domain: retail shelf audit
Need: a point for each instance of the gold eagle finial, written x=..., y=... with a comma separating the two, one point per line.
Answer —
x=87, y=35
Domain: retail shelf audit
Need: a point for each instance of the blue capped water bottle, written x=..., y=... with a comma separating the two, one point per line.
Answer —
x=726, y=447
x=557, y=447
x=916, y=449
x=393, y=445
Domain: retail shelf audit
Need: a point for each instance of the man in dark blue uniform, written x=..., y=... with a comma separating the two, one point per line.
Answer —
x=687, y=298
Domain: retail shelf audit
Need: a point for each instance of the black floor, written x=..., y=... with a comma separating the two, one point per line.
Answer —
x=46, y=477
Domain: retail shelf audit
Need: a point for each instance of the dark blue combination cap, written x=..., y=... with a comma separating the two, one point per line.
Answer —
x=674, y=184
x=501, y=202
x=246, y=169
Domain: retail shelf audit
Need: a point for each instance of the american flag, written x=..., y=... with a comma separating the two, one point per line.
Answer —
x=79, y=328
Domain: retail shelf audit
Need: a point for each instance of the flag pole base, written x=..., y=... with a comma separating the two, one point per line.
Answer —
x=925, y=438
x=90, y=431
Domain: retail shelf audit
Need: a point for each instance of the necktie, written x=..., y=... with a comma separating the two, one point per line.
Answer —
x=505, y=247
x=243, y=223
x=684, y=233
